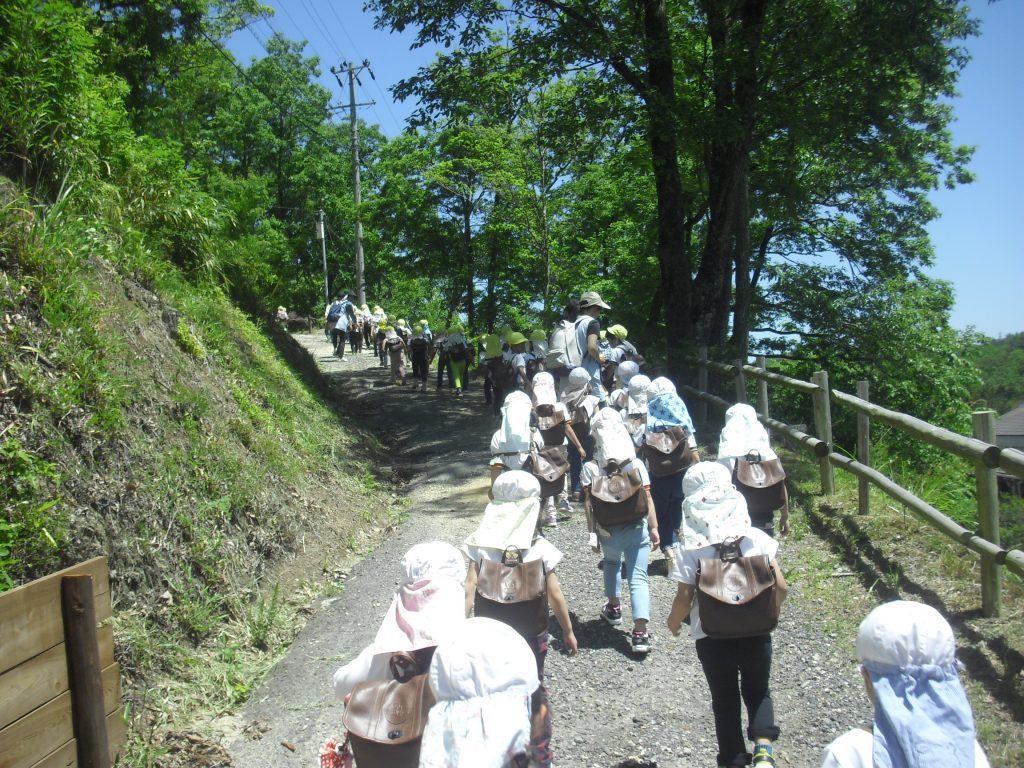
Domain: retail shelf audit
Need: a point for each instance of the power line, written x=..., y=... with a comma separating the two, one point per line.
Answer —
x=385, y=99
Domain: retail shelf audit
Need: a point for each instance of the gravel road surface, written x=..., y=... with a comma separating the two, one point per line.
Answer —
x=608, y=705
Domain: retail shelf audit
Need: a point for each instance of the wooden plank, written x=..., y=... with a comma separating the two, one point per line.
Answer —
x=24, y=742
x=952, y=442
x=66, y=756
x=30, y=614
x=43, y=677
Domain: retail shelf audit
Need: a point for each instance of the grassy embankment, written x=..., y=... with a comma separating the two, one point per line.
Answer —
x=144, y=417
x=889, y=554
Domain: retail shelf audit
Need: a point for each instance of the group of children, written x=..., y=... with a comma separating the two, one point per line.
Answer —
x=629, y=454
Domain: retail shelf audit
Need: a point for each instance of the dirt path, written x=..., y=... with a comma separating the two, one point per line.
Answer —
x=607, y=704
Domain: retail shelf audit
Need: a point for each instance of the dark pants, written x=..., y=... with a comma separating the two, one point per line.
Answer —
x=750, y=660
x=442, y=366
x=576, y=463
x=419, y=368
x=763, y=519
x=338, y=342
x=667, y=495
x=488, y=388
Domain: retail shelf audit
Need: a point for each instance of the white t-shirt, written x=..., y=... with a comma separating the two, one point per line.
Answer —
x=853, y=750
x=590, y=470
x=686, y=562
x=520, y=360
x=541, y=549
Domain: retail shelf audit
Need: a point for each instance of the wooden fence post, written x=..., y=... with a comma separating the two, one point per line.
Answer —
x=863, y=448
x=984, y=423
x=741, y=382
x=823, y=429
x=702, y=385
x=762, y=388
x=84, y=679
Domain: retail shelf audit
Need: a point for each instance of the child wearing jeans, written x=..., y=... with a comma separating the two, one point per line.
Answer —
x=632, y=541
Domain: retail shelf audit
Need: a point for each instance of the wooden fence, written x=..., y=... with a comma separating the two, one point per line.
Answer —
x=978, y=449
x=60, y=688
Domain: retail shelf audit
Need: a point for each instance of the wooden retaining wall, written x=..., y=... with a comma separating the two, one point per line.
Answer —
x=39, y=726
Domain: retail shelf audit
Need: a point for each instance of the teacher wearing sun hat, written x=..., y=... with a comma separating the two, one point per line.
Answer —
x=588, y=334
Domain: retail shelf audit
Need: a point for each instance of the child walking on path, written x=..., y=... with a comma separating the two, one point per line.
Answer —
x=419, y=353
x=396, y=353
x=736, y=668
x=742, y=435
x=482, y=679
x=627, y=529
x=670, y=429
x=922, y=717
x=508, y=542
x=553, y=423
x=459, y=353
x=582, y=407
x=427, y=605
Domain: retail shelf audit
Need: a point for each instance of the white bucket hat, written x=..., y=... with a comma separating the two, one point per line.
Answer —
x=713, y=510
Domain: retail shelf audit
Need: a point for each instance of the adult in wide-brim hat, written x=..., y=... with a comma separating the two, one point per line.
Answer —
x=592, y=299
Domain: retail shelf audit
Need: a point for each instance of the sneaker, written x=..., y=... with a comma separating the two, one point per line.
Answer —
x=550, y=518
x=764, y=756
x=564, y=506
x=642, y=644
x=577, y=496
x=612, y=613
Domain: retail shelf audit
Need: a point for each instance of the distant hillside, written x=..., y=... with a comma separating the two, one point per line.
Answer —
x=1001, y=362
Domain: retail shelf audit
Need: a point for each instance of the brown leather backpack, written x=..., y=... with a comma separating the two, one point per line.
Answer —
x=737, y=596
x=385, y=721
x=580, y=423
x=618, y=497
x=513, y=592
x=668, y=452
x=551, y=425
x=549, y=465
x=761, y=481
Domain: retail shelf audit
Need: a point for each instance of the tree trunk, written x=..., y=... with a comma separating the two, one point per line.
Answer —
x=467, y=237
x=673, y=202
x=493, y=248
x=735, y=50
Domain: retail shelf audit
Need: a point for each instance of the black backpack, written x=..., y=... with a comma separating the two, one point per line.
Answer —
x=503, y=375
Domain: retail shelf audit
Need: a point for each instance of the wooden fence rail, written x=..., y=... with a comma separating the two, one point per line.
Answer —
x=60, y=695
x=979, y=449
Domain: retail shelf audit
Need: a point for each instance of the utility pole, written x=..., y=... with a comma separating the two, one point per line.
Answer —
x=353, y=77
x=323, y=252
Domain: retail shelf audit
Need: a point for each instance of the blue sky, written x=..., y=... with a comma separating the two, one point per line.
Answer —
x=978, y=247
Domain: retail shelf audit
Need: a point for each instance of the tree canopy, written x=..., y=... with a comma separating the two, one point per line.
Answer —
x=750, y=175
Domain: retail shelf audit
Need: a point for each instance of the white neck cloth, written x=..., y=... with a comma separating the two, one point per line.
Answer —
x=713, y=510
x=482, y=678
x=612, y=441
x=743, y=433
